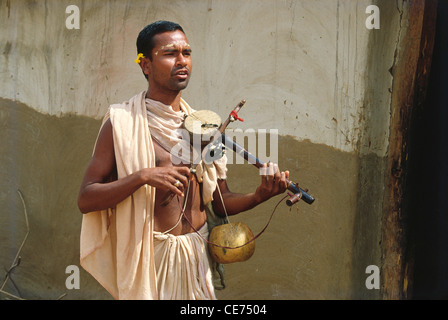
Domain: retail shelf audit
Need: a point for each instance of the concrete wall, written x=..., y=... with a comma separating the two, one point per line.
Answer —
x=310, y=69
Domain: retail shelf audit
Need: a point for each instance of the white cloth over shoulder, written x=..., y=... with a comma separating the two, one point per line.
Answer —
x=117, y=244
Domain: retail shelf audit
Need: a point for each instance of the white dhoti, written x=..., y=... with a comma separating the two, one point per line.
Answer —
x=183, y=267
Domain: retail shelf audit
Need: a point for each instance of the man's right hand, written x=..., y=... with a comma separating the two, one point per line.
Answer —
x=165, y=178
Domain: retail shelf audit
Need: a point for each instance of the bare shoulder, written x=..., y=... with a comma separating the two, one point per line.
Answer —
x=102, y=165
x=105, y=140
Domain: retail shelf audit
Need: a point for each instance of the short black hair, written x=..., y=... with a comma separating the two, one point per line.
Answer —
x=145, y=42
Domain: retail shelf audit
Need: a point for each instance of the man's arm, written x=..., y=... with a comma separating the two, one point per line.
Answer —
x=100, y=190
x=270, y=186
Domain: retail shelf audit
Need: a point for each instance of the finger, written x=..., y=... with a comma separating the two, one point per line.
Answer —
x=176, y=191
x=182, y=174
x=184, y=171
x=176, y=183
x=286, y=179
x=171, y=186
x=270, y=167
x=277, y=173
x=182, y=179
x=263, y=172
x=271, y=173
x=283, y=184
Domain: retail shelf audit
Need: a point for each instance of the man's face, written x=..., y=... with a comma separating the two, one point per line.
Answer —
x=171, y=64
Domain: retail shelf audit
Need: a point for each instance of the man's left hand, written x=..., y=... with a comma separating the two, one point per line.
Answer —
x=273, y=182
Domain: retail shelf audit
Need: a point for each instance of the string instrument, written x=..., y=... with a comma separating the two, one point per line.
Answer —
x=210, y=125
x=206, y=126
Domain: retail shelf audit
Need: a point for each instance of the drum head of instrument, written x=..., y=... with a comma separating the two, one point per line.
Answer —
x=202, y=124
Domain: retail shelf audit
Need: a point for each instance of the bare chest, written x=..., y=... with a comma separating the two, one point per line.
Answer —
x=167, y=215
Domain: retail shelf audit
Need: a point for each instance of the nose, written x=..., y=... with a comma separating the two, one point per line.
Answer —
x=181, y=60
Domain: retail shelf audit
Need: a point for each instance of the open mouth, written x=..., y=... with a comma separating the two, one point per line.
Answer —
x=181, y=74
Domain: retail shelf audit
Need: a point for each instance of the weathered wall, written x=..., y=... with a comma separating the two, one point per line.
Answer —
x=310, y=69
x=302, y=60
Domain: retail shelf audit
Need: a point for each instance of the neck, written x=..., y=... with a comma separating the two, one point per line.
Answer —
x=171, y=98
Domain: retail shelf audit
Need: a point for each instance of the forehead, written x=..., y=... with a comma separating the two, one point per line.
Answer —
x=170, y=37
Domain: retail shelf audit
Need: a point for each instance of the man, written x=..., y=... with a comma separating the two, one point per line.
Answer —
x=135, y=240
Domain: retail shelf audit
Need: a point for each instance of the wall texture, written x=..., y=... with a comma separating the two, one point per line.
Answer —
x=310, y=69
x=305, y=61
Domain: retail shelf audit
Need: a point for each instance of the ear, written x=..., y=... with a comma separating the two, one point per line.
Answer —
x=146, y=66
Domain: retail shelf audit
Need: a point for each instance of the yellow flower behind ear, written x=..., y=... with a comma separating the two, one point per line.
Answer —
x=140, y=55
